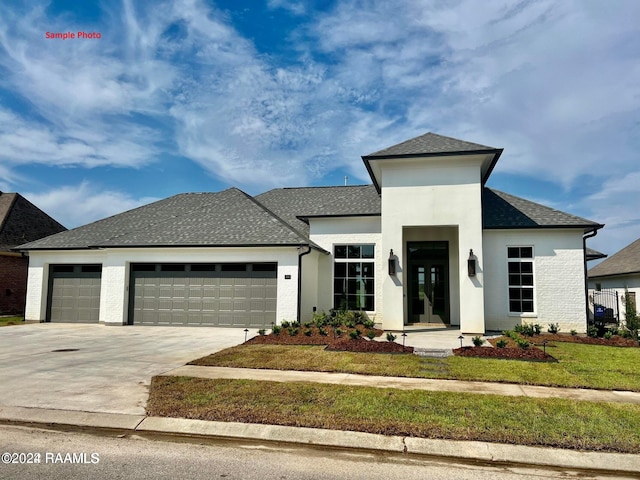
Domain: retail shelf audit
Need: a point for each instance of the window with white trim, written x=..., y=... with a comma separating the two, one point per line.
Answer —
x=520, y=268
x=354, y=277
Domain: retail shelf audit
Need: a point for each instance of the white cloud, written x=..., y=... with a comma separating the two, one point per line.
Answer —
x=557, y=84
x=76, y=205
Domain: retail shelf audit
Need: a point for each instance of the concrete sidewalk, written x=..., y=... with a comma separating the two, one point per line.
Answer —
x=405, y=383
x=488, y=453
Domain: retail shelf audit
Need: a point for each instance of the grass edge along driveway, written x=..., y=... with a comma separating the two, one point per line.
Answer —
x=578, y=366
x=559, y=423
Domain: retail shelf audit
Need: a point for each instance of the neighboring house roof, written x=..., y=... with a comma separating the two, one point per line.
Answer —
x=430, y=143
x=502, y=210
x=625, y=262
x=21, y=221
x=595, y=254
x=227, y=218
x=276, y=217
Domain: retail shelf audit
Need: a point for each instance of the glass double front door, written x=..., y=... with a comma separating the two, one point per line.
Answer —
x=428, y=282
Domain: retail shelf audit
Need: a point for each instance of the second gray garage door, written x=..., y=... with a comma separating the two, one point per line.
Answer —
x=225, y=295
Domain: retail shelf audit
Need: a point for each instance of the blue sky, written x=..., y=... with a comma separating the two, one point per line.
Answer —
x=191, y=95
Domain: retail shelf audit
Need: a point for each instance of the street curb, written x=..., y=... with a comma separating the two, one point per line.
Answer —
x=491, y=453
x=70, y=418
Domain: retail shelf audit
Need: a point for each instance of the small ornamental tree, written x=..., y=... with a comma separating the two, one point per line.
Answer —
x=631, y=320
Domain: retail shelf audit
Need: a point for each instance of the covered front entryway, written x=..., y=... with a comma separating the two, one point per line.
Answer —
x=74, y=293
x=428, y=282
x=202, y=294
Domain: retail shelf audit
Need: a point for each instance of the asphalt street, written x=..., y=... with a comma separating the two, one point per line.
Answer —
x=73, y=455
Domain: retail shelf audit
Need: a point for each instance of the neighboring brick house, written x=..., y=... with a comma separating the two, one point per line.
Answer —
x=20, y=222
x=427, y=243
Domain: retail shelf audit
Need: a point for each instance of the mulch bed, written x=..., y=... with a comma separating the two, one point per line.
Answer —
x=507, y=353
x=364, y=345
x=615, y=341
x=333, y=341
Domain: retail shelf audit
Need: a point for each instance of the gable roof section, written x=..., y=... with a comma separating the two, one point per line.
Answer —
x=432, y=145
x=626, y=261
x=227, y=218
x=21, y=221
x=294, y=205
x=501, y=210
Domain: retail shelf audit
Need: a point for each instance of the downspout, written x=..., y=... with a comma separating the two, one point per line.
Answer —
x=300, y=255
x=591, y=234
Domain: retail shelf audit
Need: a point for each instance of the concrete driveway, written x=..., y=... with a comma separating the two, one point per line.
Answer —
x=106, y=369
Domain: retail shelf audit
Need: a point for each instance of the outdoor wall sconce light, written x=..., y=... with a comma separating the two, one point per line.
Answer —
x=392, y=263
x=471, y=264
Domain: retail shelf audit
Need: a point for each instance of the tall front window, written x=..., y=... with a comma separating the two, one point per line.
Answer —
x=353, y=277
x=520, y=265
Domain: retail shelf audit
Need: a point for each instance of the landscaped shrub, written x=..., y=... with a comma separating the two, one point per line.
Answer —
x=369, y=324
x=371, y=334
x=338, y=332
x=527, y=329
x=522, y=343
x=553, y=328
x=307, y=332
x=477, y=341
x=537, y=328
x=354, y=334
x=502, y=343
x=285, y=324
x=276, y=329
x=573, y=332
x=320, y=319
x=307, y=324
x=592, y=331
x=295, y=324
x=631, y=318
x=322, y=331
x=262, y=331
x=608, y=335
x=391, y=337
x=293, y=331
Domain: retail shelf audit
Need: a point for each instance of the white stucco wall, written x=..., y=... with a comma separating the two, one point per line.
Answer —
x=443, y=192
x=310, y=280
x=114, y=294
x=558, y=267
x=328, y=232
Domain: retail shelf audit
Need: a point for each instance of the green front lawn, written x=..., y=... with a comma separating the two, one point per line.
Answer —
x=493, y=418
x=579, y=366
x=4, y=321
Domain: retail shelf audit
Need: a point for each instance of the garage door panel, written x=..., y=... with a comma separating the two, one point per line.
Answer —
x=74, y=293
x=200, y=294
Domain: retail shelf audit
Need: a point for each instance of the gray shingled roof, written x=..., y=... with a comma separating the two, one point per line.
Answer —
x=228, y=218
x=626, y=261
x=276, y=217
x=594, y=254
x=502, y=210
x=430, y=143
x=295, y=204
x=21, y=221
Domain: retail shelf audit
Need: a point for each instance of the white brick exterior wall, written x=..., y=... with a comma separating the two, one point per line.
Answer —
x=114, y=294
x=328, y=232
x=559, y=295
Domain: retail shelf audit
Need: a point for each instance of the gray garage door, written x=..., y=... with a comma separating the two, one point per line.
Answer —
x=74, y=293
x=225, y=295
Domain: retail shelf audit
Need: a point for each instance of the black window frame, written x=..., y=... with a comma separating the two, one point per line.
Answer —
x=354, y=269
x=521, y=280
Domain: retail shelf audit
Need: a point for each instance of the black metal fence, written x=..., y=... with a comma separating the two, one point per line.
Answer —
x=606, y=307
